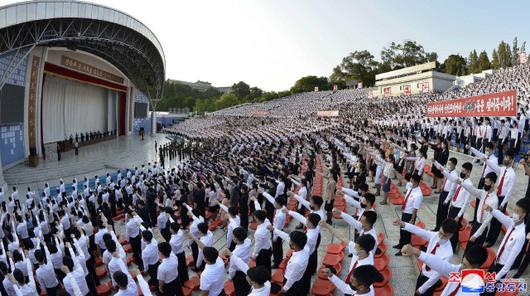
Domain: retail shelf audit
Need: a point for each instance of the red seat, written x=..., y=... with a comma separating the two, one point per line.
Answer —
x=193, y=283
x=101, y=272
x=252, y=263
x=277, y=277
x=491, y=258
x=426, y=190
x=229, y=288
x=380, y=238
x=417, y=241
x=463, y=224
x=332, y=259
x=189, y=261
x=127, y=248
x=420, y=224
x=123, y=241
x=335, y=248
x=382, y=250
x=384, y=291
x=387, y=275
x=104, y=289
x=322, y=287
x=98, y=261
x=283, y=264
x=187, y=291
x=381, y=262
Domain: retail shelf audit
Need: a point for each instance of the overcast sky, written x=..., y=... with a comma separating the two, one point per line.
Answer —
x=272, y=43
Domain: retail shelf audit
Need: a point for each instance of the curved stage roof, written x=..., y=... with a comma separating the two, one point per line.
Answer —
x=110, y=34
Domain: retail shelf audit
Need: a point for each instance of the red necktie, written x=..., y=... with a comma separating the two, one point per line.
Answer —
x=483, y=207
x=457, y=192
x=455, y=290
x=499, y=191
x=484, y=168
x=351, y=271
x=406, y=198
x=433, y=252
x=504, y=244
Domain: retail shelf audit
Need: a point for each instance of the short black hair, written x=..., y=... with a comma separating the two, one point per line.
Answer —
x=366, y=241
x=415, y=177
x=121, y=279
x=450, y=226
x=210, y=254
x=174, y=226
x=203, y=227
x=298, y=238
x=468, y=166
x=233, y=211
x=261, y=215
x=369, y=197
x=510, y=153
x=39, y=255
x=111, y=245
x=318, y=200
x=314, y=218
x=370, y=216
x=164, y=248
x=68, y=262
x=453, y=160
x=281, y=200
x=240, y=233
x=363, y=187
x=492, y=176
x=19, y=276
x=147, y=235
x=489, y=145
x=524, y=203
x=476, y=255
x=259, y=274
x=366, y=275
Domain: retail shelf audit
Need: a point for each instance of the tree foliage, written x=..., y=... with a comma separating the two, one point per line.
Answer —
x=308, y=83
x=455, y=64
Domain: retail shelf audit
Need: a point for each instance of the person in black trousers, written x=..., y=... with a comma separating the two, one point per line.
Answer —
x=243, y=207
x=446, y=188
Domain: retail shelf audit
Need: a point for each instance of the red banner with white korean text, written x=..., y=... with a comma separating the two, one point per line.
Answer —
x=494, y=104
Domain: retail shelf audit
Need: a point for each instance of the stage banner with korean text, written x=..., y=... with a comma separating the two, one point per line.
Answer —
x=494, y=104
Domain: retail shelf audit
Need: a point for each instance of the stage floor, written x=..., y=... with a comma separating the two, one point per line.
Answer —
x=98, y=159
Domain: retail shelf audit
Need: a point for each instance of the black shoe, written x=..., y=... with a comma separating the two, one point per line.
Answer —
x=398, y=254
x=397, y=247
x=351, y=255
x=488, y=245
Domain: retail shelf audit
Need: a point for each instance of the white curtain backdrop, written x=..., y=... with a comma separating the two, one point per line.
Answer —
x=71, y=107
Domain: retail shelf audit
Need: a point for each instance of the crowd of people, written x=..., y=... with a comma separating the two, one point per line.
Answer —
x=258, y=178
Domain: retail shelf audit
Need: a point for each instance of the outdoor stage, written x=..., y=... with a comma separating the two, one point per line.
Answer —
x=98, y=159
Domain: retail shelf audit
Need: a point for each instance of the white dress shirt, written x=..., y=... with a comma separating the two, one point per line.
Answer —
x=415, y=198
x=76, y=279
x=486, y=169
x=177, y=242
x=486, y=198
x=168, y=269
x=460, y=198
x=359, y=227
x=511, y=244
x=242, y=252
x=149, y=253
x=262, y=238
x=346, y=289
x=507, y=177
x=442, y=249
x=297, y=264
x=213, y=278
x=445, y=268
x=207, y=240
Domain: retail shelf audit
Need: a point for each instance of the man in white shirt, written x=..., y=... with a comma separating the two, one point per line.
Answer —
x=487, y=197
x=448, y=188
x=294, y=282
x=459, y=201
x=213, y=276
x=507, y=181
x=278, y=222
x=177, y=247
x=473, y=259
x=241, y=251
x=486, y=156
x=410, y=207
x=361, y=282
x=150, y=256
x=126, y=285
x=74, y=282
x=513, y=241
x=439, y=244
x=45, y=273
x=167, y=274
x=262, y=240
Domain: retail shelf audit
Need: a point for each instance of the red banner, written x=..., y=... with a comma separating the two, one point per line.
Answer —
x=406, y=89
x=495, y=104
x=386, y=91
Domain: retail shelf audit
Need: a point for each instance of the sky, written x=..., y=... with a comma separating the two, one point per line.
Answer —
x=272, y=43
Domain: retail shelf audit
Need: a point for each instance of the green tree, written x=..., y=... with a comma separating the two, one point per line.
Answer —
x=505, y=55
x=241, y=90
x=407, y=54
x=255, y=94
x=308, y=83
x=483, y=61
x=359, y=66
x=455, y=64
x=472, y=62
x=226, y=100
x=495, y=64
